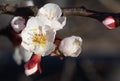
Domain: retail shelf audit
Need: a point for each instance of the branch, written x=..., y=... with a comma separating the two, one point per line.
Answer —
x=77, y=11
x=82, y=11
x=18, y=11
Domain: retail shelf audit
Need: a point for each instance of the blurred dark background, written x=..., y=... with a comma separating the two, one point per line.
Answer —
x=100, y=57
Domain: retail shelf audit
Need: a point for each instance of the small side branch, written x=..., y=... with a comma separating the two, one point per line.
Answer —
x=76, y=11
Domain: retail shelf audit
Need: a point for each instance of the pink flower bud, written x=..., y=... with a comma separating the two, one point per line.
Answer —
x=109, y=22
x=33, y=65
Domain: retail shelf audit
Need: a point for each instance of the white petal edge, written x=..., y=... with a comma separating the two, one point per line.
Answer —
x=28, y=32
x=51, y=10
x=50, y=47
x=79, y=38
x=68, y=48
x=26, y=55
x=77, y=53
x=58, y=24
x=17, y=56
x=18, y=27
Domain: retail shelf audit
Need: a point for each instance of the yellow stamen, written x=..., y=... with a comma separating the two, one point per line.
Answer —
x=35, y=29
x=77, y=42
x=39, y=39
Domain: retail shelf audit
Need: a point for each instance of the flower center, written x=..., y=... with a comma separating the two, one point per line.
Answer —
x=39, y=39
x=77, y=42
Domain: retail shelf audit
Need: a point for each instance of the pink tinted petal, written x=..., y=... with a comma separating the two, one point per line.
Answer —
x=30, y=65
x=31, y=71
x=36, y=58
x=109, y=22
x=33, y=65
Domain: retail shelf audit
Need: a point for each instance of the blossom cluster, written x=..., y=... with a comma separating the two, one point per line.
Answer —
x=38, y=35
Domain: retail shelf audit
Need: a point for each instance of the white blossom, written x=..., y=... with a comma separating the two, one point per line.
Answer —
x=53, y=13
x=71, y=46
x=38, y=38
x=20, y=54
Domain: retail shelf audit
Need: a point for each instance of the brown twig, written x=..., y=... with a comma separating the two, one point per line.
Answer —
x=82, y=11
x=77, y=11
x=18, y=11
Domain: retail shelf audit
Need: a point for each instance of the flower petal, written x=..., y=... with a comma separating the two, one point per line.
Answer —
x=28, y=32
x=26, y=45
x=109, y=22
x=31, y=25
x=62, y=20
x=59, y=24
x=34, y=26
x=17, y=56
x=50, y=34
x=76, y=54
x=50, y=47
x=32, y=65
x=29, y=72
x=39, y=50
x=20, y=54
x=18, y=23
x=42, y=19
x=71, y=46
x=26, y=55
x=51, y=10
